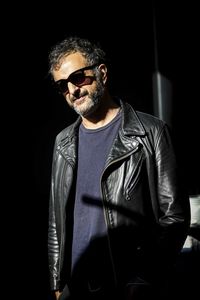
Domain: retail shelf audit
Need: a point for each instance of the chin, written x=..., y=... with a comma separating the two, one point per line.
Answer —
x=85, y=110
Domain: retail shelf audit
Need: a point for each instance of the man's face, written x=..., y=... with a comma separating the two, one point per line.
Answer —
x=83, y=88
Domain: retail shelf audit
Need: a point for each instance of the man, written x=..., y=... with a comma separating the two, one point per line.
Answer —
x=118, y=216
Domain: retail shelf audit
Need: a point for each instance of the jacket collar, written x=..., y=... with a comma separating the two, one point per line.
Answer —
x=131, y=124
x=123, y=145
x=126, y=141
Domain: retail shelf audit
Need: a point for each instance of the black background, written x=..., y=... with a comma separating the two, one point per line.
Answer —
x=33, y=113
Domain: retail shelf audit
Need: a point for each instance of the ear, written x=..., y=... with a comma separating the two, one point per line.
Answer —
x=104, y=71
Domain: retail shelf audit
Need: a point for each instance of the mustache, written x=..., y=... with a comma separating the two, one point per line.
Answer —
x=78, y=95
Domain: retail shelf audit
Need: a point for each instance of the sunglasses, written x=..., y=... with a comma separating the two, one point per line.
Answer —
x=77, y=78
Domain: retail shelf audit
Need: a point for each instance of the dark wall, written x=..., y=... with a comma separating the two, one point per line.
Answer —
x=35, y=113
x=177, y=36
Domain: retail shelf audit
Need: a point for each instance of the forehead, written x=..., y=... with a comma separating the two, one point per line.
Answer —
x=69, y=64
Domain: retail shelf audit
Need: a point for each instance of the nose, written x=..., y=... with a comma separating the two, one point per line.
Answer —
x=72, y=88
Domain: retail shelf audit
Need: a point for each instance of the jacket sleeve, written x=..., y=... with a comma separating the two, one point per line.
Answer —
x=53, y=245
x=172, y=212
x=171, y=203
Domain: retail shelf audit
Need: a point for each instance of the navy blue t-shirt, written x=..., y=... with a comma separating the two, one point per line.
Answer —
x=89, y=221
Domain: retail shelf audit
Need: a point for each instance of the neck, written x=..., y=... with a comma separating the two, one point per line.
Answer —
x=103, y=115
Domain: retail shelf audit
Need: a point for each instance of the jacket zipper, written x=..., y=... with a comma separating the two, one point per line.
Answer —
x=104, y=210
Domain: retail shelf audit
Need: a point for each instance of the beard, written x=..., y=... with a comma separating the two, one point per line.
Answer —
x=93, y=101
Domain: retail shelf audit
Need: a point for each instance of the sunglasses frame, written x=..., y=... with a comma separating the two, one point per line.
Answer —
x=57, y=83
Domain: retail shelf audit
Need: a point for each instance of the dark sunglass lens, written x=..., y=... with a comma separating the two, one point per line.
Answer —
x=88, y=80
x=62, y=86
x=81, y=79
x=77, y=79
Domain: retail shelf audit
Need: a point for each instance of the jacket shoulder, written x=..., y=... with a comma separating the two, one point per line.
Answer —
x=150, y=121
x=141, y=122
x=156, y=129
x=153, y=125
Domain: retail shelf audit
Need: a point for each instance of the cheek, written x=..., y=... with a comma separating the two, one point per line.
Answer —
x=70, y=103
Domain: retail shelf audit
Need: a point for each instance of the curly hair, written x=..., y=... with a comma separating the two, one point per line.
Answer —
x=92, y=52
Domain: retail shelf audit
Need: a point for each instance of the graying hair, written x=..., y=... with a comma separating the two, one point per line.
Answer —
x=92, y=52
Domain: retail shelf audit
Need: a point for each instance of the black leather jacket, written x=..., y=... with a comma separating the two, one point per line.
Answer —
x=142, y=197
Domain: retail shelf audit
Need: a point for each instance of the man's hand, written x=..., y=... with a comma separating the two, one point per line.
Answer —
x=57, y=294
